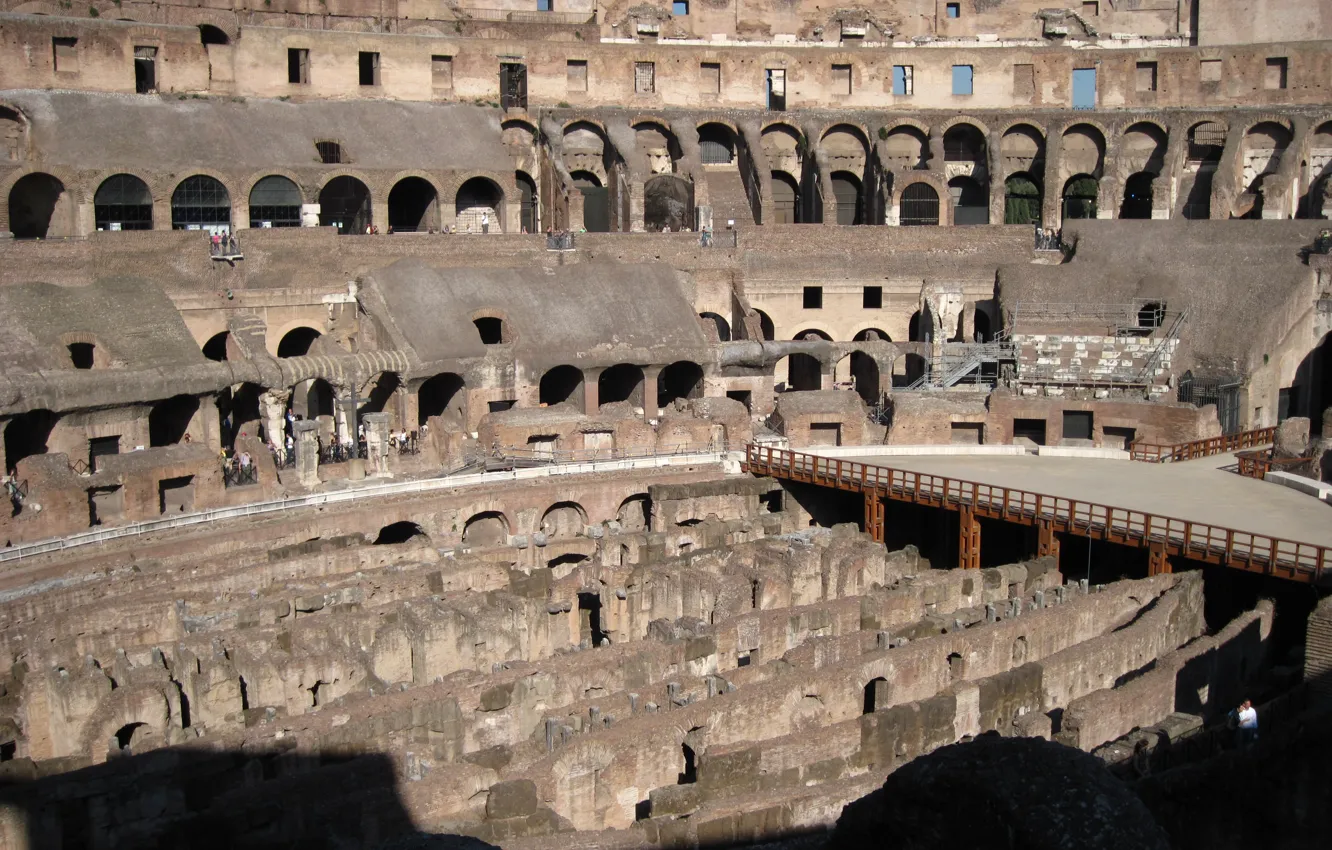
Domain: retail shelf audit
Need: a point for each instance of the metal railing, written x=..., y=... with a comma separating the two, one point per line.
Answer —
x=1187, y=538
x=235, y=475
x=526, y=17
x=1225, y=444
x=536, y=457
x=563, y=241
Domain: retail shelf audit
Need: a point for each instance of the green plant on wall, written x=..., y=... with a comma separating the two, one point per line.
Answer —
x=883, y=134
x=93, y=13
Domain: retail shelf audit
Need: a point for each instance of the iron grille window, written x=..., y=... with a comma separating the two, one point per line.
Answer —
x=275, y=201
x=1206, y=142
x=714, y=145
x=123, y=202
x=645, y=77
x=920, y=205
x=330, y=153
x=200, y=201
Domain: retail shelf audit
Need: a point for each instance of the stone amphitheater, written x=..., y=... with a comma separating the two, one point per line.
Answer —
x=706, y=424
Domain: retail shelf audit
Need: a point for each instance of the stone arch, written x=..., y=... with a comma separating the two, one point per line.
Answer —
x=492, y=325
x=296, y=341
x=1265, y=144
x=1079, y=197
x=635, y=513
x=40, y=207
x=869, y=333
x=13, y=133
x=1138, y=194
x=564, y=519
x=204, y=198
x=1021, y=146
x=864, y=373
x=345, y=202
x=211, y=33
x=529, y=202
x=215, y=348
x=486, y=528
x=479, y=206
x=413, y=205
x=1142, y=147
x=441, y=395
x=622, y=382
x=561, y=384
x=717, y=324
x=275, y=199
x=1082, y=150
x=980, y=125
x=656, y=143
x=766, y=327
x=682, y=379
x=27, y=435
x=812, y=332
x=1023, y=198
x=907, y=146
x=123, y=202
x=668, y=202
x=402, y=531
x=848, y=197
x=169, y=420
x=786, y=206
x=717, y=142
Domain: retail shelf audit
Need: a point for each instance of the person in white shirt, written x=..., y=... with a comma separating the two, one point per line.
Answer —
x=1248, y=723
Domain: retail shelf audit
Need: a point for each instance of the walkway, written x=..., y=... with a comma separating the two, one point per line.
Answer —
x=1193, y=509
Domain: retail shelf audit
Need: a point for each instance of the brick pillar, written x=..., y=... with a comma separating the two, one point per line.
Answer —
x=591, y=391
x=1318, y=655
x=377, y=444
x=307, y=451
x=650, y=376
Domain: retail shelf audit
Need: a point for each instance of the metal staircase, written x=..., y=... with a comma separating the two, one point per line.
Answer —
x=962, y=361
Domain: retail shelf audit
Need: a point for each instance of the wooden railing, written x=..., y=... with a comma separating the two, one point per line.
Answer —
x=1257, y=463
x=1186, y=538
x=1155, y=453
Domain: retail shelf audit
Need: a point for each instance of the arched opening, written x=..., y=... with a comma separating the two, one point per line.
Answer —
x=635, y=513
x=169, y=420
x=874, y=692
x=275, y=201
x=872, y=335
x=865, y=373
x=312, y=399
x=920, y=206
x=562, y=384
x=344, y=203
x=297, y=342
x=916, y=328
x=200, y=203
x=1080, y=197
x=478, y=205
x=438, y=395
x=488, y=528
x=527, y=198
x=1207, y=140
x=1143, y=148
x=681, y=379
x=785, y=199
x=130, y=734
x=964, y=143
x=399, y=532
x=26, y=435
x=803, y=373
x=766, y=327
x=491, y=330
x=11, y=136
x=381, y=392
x=1022, y=200
x=668, y=203
x=907, y=149
x=622, y=382
x=846, y=192
x=564, y=519
x=596, y=201
x=1083, y=150
x=1137, y=196
x=716, y=144
x=957, y=666
x=1020, y=651
x=33, y=203
x=238, y=412
x=971, y=204
x=216, y=347
x=209, y=34
x=1023, y=148
x=413, y=205
x=83, y=355
x=722, y=327
x=983, y=327
x=123, y=202
x=1264, y=148
x=590, y=629
x=1316, y=200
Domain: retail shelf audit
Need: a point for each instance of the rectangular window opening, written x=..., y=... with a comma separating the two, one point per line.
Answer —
x=680, y=7
x=777, y=89
x=577, y=75
x=545, y=5
x=441, y=72
x=99, y=447
x=1084, y=88
x=369, y=63
x=1276, y=74
x=1091, y=8
x=1146, y=80
x=903, y=80
x=709, y=74
x=645, y=77
x=298, y=66
x=330, y=153
x=65, y=54
x=813, y=297
x=1209, y=70
x=145, y=70
x=873, y=299
x=841, y=79
x=967, y=433
x=953, y=10
x=962, y=79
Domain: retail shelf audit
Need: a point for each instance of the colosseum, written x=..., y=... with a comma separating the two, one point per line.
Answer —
x=576, y=425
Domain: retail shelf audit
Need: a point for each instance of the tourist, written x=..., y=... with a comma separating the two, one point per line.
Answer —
x=245, y=460
x=1248, y=724
x=485, y=222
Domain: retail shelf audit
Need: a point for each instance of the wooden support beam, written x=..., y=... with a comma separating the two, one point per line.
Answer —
x=1047, y=543
x=874, y=515
x=968, y=539
x=1158, y=561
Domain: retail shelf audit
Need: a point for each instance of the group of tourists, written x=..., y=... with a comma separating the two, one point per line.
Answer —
x=224, y=244
x=1049, y=239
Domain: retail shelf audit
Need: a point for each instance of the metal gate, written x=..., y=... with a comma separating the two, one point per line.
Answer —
x=513, y=85
x=920, y=205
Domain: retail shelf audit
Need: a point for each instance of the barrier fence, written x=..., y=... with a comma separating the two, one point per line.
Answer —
x=1169, y=535
x=1225, y=444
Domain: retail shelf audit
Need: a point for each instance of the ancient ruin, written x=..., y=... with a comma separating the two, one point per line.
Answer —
x=704, y=423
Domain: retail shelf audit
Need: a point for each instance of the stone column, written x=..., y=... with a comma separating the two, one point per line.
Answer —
x=345, y=415
x=273, y=410
x=307, y=451
x=591, y=391
x=377, y=444
x=650, y=376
